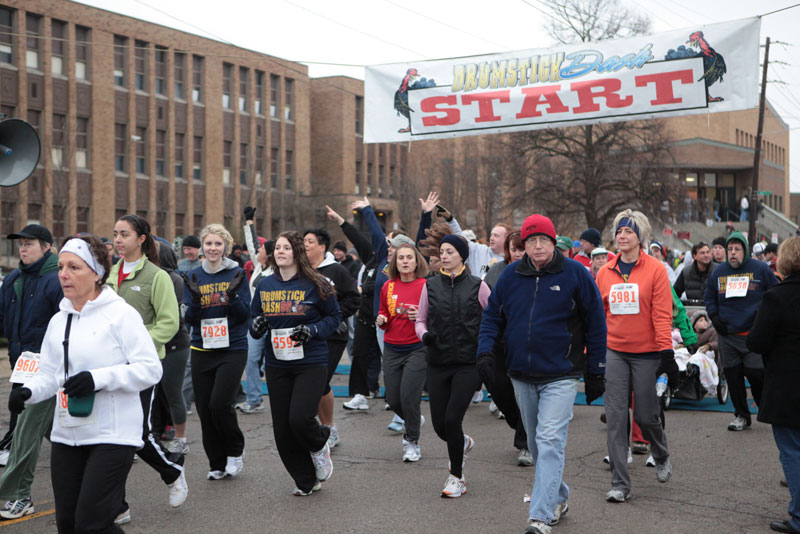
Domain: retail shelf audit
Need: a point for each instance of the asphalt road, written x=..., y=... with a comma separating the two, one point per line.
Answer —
x=722, y=482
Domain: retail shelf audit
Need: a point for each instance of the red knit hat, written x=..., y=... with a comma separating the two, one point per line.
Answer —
x=538, y=225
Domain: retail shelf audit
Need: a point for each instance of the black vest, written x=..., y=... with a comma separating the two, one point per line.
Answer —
x=695, y=282
x=454, y=317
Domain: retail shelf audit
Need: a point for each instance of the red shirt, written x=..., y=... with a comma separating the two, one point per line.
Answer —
x=396, y=297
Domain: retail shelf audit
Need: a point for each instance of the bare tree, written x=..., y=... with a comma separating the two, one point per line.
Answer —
x=593, y=20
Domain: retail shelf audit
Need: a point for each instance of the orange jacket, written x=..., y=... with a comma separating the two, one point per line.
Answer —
x=651, y=329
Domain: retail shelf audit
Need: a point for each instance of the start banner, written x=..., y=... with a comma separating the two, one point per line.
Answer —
x=703, y=69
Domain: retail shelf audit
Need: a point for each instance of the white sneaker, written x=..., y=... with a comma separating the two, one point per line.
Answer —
x=538, y=527
x=178, y=491
x=650, y=462
x=216, y=475
x=334, y=439
x=607, y=459
x=4, y=454
x=493, y=407
x=454, y=487
x=477, y=396
x=234, y=465
x=560, y=511
x=300, y=493
x=501, y=415
x=411, y=452
x=739, y=423
x=177, y=446
x=323, y=466
x=359, y=402
x=123, y=518
x=469, y=443
x=525, y=458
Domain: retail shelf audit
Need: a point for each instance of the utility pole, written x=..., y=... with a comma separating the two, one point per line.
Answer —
x=757, y=157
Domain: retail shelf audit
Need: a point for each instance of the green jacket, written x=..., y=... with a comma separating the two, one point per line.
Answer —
x=151, y=292
x=681, y=321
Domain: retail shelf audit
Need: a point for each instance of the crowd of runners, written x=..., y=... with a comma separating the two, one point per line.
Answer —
x=114, y=341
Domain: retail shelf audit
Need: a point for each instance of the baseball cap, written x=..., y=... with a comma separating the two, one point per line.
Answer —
x=33, y=231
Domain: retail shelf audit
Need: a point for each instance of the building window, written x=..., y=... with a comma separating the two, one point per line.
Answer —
x=359, y=177
x=243, y=163
x=288, y=109
x=82, y=143
x=6, y=35
x=359, y=114
x=180, y=147
x=141, y=150
x=57, y=151
x=274, y=95
x=244, y=81
x=120, y=57
x=227, y=147
x=180, y=75
x=58, y=29
x=198, y=222
x=83, y=219
x=197, y=169
x=259, y=169
x=274, y=167
x=140, y=65
x=33, y=30
x=289, y=168
x=120, y=144
x=59, y=219
x=259, y=94
x=179, y=222
x=161, y=70
x=227, y=85
x=197, y=78
x=83, y=45
x=161, y=152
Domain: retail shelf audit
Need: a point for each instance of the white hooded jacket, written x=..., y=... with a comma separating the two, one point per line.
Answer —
x=109, y=339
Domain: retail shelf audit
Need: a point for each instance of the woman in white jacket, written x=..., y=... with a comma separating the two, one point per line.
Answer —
x=91, y=454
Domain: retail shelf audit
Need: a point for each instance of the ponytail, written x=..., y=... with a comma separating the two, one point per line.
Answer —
x=142, y=227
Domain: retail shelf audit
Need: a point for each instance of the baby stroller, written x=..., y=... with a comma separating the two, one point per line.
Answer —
x=689, y=385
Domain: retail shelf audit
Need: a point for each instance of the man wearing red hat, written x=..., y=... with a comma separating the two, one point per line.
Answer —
x=552, y=311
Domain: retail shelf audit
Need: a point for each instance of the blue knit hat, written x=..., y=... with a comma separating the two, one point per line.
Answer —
x=459, y=243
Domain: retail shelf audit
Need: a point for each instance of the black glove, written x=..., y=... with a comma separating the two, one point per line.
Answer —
x=669, y=365
x=301, y=334
x=16, y=401
x=259, y=327
x=443, y=212
x=594, y=386
x=428, y=339
x=692, y=348
x=233, y=287
x=485, y=365
x=719, y=325
x=79, y=385
x=193, y=287
x=249, y=213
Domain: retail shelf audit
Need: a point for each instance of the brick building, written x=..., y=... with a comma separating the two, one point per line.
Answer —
x=139, y=118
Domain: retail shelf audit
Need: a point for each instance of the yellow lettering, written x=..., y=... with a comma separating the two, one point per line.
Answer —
x=498, y=76
x=544, y=68
x=511, y=75
x=484, y=73
x=471, y=80
x=555, y=67
x=459, y=77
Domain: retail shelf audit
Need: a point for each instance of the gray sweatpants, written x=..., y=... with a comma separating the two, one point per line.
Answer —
x=626, y=371
x=404, y=376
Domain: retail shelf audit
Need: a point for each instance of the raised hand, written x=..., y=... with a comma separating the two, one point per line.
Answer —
x=332, y=215
x=360, y=204
x=429, y=203
x=233, y=287
x=249, y=213
x=193, y=287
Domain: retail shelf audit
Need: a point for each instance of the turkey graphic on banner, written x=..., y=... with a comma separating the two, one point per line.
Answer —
x=702, y=69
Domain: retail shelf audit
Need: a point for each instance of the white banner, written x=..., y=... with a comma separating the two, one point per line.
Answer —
x=704, y=69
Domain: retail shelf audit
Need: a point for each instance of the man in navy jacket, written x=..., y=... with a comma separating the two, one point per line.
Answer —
x=549, y=310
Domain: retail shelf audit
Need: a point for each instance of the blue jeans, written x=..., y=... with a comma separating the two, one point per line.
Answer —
x=254, y=349
x=788, y=441
x=546, y=410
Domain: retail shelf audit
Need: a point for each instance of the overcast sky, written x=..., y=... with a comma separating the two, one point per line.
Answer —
x=350, y=34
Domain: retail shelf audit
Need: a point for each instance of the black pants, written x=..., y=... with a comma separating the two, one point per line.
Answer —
x=502, y=391
x=335, y=351
x=450, y=389
x=88, y=486
x=294, y=395
x=738, y=392
x=217, y=377
x=365, y=347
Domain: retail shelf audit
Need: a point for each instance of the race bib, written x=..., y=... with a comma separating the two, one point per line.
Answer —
x=284, y=347
x=215, y=333
x=737, y=286
x=26, y=367
x=65, y=419
x=624, y=299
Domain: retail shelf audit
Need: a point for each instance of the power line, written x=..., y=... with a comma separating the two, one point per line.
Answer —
x=779, y=10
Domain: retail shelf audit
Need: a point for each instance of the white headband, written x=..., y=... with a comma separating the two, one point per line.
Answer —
x=80, y=248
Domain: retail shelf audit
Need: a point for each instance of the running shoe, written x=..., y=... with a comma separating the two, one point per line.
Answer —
x=168, y=434
x=411, y=452
x=650, y=461
x=16, y=509
x=664, y=471
x=469, y=443
x=477, y=396
x=493, y=407
x=538, y=527
x=300, y=493
x=525, y=458
x=216, y=475
x=234, y=465
x=617, y=495
x=640, y=447
x=333, y=438
x=240, y=405
x=501, y=415
x=4, y=454
x=177, y=446
x=178, y=491
x=739, y=423
x=123, y=518
x=252, y=408
x=359, y=402
x=454, y=487
x=375, y=394
x=560, y=511
x=323, y=466
x=607, y=459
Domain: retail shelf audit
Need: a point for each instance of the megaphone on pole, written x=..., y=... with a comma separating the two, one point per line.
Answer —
x=19, y=151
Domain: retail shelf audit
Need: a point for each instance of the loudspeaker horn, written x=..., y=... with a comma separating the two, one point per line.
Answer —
x=19, y=151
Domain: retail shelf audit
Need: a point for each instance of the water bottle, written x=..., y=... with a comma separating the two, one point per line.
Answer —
x=661, y=384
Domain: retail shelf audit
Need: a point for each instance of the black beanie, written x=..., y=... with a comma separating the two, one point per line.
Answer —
x=340, y=245
x=191, y=241
x=459, y=243
x=592, y=235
